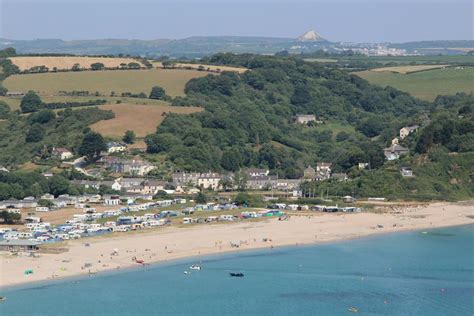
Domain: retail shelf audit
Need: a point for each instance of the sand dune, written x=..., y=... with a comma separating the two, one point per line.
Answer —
x=172, y=242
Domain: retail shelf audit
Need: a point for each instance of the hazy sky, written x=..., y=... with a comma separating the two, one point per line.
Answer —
x=336, y=20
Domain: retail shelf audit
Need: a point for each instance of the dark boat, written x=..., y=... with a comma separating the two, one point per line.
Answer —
x=236, y=274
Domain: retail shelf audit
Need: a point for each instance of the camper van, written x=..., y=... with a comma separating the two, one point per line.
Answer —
x=187, y=220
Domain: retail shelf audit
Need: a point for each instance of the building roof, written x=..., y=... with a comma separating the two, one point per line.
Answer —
x=61, y=150
x=19, y=242
x=396, y=148
x=115, y=144
x=411, y=128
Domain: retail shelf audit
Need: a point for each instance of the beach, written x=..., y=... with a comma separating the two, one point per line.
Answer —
x=113, y=252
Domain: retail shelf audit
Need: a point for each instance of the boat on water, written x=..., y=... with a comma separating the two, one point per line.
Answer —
x=2, y=298
x=236, y=274
x=353, y=309
x=195, y=267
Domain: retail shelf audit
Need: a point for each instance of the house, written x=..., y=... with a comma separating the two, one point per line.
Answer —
x=261, y=182
x=395, y=151
x=341, y=176
x=42, y=209
x=407, y=130
x=210, y=180
x=114, y=185
x=256, y=172
x=112, y=200
x=47, y=196
x=134, y=167
x=287, y=184
x=323, y=166
x=322, y=172
x=348, y=199
x=115, y=147
x=19, y=245
x=305, y=119
x=363, y=165
x=61, y=153
x=184, y=178
x=129, y=182
x=406, y=172
x=153, y=186
x=86, y=184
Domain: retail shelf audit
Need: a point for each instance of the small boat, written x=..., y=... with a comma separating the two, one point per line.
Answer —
x=186, y=272
x=353, y=309
x=195, y=267
x=2, y=298
x=139, y=261
x=236, y=274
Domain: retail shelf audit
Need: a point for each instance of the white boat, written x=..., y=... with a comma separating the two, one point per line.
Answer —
x=195, y=267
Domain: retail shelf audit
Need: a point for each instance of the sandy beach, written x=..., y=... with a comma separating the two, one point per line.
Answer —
x=95, y=255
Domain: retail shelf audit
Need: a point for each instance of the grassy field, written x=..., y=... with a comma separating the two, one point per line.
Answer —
x=66, y=62
x=408, y=69
x=142, y=119
x=416, y=60
x=212, y=68
x=135, y=81
x=425, y=85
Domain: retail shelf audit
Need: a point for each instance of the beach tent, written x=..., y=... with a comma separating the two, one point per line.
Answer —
x=28, y=271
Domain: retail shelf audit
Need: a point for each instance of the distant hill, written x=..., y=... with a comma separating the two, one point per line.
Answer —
x=191, y=47
x=310, y=36
x=199, y=46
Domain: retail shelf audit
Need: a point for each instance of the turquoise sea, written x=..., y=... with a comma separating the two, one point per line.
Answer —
x=411, y=273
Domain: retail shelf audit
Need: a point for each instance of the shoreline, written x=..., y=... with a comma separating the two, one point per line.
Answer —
x=210, y=240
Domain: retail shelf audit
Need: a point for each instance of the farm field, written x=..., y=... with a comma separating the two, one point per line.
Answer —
x=206, y=67
x=416, y=60
x=142, y=119
x=425, y=85
x=66, y=62
x=408, y=69
x=134, y=81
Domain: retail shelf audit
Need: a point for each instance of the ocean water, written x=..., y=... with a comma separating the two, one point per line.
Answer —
x=411, y=273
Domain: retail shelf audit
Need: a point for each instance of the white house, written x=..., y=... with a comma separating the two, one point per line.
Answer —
x=115, y=147
x=407, y=130
x=42, y=209
x=62, y=153
x=305, y=119
x=209, y=180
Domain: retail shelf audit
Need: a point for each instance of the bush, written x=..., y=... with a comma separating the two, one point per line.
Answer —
x=31, y=102
x=157, y=93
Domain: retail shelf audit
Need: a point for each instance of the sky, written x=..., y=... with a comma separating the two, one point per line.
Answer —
x=335, y=20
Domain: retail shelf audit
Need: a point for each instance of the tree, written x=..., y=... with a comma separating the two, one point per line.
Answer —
x=240, y=181
x=9, y=218
x=200, y=198
x=157, y=93
x=226, y=183
x=92, y=144
x=35, y=134
x=97, y=66
x=42, y=117
x=46, y=203
x=76, y=67
x=4, y=110
x=58, y=185
x=31, y=102
x=231, y=159
x=133, y=65
x=161, y=195
x=129, y=137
